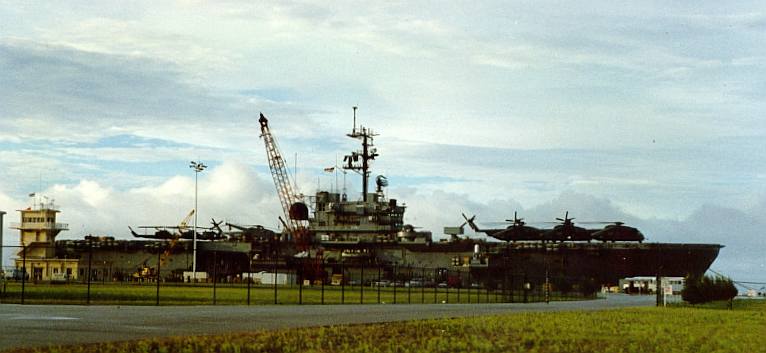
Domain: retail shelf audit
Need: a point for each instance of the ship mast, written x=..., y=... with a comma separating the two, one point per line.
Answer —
x=367, y=154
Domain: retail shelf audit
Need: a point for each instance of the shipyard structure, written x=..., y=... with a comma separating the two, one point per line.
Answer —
x=329, y=237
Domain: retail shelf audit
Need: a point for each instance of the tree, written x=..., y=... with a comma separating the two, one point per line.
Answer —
x=705, y=289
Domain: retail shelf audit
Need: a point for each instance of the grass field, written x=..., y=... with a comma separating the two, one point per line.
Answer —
x=229, y=294
x=674, y=329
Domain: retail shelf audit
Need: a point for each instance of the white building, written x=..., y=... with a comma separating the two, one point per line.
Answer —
x=646, y=284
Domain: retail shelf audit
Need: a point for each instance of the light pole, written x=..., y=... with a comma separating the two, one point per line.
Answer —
x=197, y=167
x=2, y=213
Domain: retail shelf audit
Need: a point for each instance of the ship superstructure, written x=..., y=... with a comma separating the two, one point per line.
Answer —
x=374, y=219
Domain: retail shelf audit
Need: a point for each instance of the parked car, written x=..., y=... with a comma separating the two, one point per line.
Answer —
x=381, y=283
x=414, y=283
x=59, y=278
x=16, y=274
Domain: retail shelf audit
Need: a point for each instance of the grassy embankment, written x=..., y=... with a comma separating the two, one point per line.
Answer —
x=674, y=329
x=145, y=294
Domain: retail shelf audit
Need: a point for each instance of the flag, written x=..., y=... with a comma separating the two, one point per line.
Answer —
x=329, y=169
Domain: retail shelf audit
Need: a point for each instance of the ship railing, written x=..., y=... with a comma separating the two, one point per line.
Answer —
x=40, y=225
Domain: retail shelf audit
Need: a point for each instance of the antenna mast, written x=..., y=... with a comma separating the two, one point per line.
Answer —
x=367, y=154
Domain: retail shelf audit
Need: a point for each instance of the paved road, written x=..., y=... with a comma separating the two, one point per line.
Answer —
x=40, y=325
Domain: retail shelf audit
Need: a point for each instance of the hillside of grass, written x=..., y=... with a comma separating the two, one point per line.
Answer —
x=674, y=329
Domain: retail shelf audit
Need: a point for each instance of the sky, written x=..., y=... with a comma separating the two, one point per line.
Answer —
x=648, y=112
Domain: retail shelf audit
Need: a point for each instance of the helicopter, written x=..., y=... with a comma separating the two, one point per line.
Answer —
x=213, y=233
x=618, y=231
x=182, y=231
x=251, y=233
x=516, y=231
x=613, y=231
x=566, y=230
x=470, y=222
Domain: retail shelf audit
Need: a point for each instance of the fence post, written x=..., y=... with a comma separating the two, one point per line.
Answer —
x=361, y=286
x=459, y=284
x=547, y=288
x=436, y=286
x=423, y=287
x=324, y=277
x=300, y=282
x=525, y=285
x=276, y=258
x=409, y=288
x=342, y=281
x=510, y=287
x=215, y=274
x=249, y=278
x=447, y=289
x=23, y=271
x=90, y=262
x=394, y=279
x=505, y=285
x=159, y=262
x=378, y=263
x=469, y=286
x=658, y=290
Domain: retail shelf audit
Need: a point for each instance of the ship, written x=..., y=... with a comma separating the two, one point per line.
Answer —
x=370, y=231
x=330, y=235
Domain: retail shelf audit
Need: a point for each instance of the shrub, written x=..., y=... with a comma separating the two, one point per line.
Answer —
x=706, y=289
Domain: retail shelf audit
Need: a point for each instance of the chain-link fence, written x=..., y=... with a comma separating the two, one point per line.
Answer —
x=96, y=273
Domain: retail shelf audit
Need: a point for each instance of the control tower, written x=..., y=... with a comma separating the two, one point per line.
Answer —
x=38, y=230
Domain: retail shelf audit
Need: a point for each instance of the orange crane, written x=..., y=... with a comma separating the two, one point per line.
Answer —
x=295, y=210
x=182, y=228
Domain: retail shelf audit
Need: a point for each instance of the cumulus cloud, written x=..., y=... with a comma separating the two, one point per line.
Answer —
x=231, y=191
x=739, y=231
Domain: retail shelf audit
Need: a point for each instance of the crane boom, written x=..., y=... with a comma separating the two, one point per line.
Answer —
x=292, y=203
x=185, y=222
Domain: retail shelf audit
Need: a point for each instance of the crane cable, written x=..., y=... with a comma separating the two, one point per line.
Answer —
x=743, y=284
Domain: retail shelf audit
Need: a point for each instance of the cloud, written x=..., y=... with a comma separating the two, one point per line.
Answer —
x=61, y=86
x=230, y=191
x=132, y=38
x=739, y=231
